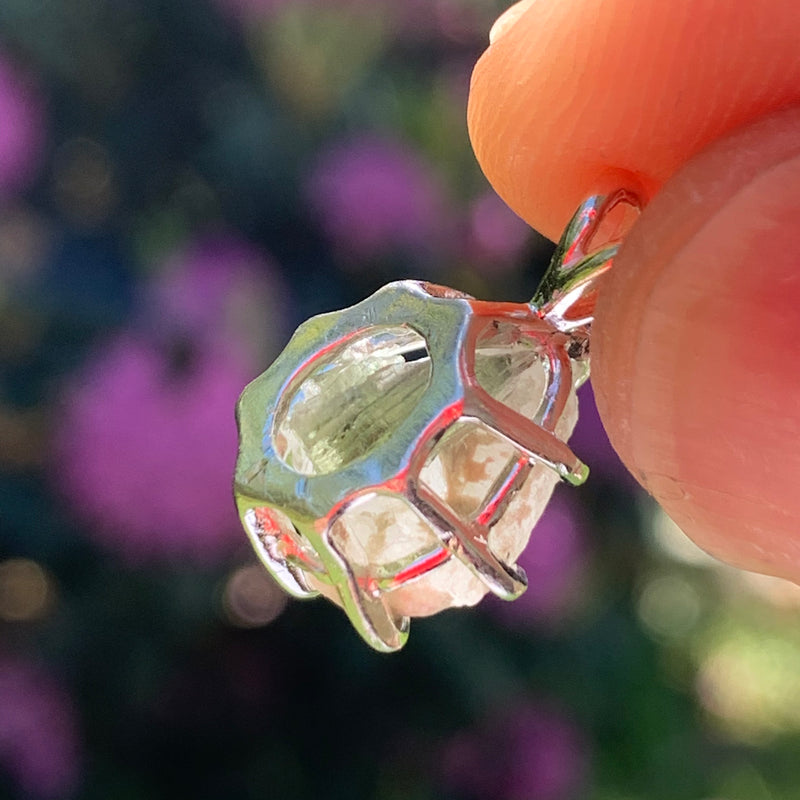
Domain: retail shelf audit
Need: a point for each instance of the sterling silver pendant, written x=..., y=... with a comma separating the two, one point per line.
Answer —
x=397, y=454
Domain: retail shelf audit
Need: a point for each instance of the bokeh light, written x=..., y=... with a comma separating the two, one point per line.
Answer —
x=26, y=590
x=749, y=679
x=83, y=181
x=251, y=598
x=669, y=605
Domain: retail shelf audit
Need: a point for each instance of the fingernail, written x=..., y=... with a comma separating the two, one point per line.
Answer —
x=507, y=19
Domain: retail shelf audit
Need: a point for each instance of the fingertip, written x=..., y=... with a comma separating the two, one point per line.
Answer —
x=571, y=92
x=506, y=21
x=695, y=348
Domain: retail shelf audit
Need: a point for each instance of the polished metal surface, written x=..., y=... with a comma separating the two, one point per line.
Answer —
x=290, y=498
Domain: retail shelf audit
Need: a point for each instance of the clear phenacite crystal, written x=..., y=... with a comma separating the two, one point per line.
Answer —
x=405, y=487
x=342, y=410
x=352, y=400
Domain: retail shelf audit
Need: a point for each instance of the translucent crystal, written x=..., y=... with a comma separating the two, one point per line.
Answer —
x=384, y=536
x=513, y=367
x=351, y=399
x=409, y=460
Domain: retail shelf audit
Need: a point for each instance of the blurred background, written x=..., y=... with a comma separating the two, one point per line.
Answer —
x=181, y=183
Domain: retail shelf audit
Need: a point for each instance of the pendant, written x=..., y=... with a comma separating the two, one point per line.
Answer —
x=397, y=454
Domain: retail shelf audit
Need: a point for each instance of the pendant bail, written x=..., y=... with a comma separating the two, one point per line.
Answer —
x=567, y=293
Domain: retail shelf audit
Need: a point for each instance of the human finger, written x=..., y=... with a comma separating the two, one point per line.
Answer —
x=574, y=97
x=696, y=347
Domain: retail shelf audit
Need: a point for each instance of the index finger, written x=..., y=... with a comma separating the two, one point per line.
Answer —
x=575, y=97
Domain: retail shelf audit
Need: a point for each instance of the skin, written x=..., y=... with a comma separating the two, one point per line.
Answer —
x=695, y=106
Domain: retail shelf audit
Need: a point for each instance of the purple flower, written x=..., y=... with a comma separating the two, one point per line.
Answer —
x=555, y=561
x=497, y=236
x=39, y=742
x=590, y=443
x=531, y=753
x=146, y=449
x=146, y=440
x=22, y=130
x=221, y=287
x=374, y=197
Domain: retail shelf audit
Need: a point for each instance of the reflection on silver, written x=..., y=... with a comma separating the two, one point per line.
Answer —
x=338, y=435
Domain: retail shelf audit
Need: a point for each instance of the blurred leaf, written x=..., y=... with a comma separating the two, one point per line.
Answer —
x=310, y=55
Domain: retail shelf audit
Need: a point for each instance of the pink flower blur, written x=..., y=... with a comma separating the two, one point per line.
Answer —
x=374, y=197
x=554, y=561
x=146, y=440
x=39, y=742
x=146, y=455
x=497, y=236
x=532, y=753
x=22, y=130
x=221, y=287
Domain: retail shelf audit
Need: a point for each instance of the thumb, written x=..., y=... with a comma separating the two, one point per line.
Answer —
x=696, y=347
